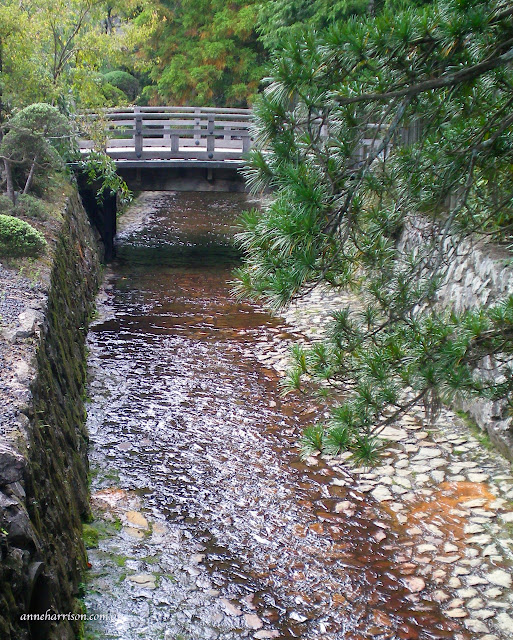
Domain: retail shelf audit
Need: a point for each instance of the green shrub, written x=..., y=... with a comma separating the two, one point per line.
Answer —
x=6, y=205
x=128, y=84
x=31, y=207
x=18, y=238
x=114, y=96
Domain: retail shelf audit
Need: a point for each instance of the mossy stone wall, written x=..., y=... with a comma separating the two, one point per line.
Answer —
x=43, y=504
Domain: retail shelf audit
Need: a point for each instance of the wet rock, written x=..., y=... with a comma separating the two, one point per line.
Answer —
x=345, y=507
x=504, y=622
x=480, y=539
x=229, y=608
x=393, y=433
x=426, y=453
x=132, y=532
x=298, y=617
x=264, y=634
x=490, y=550
x=477, y=626
x=478, y=477
x=500, y=577
x=144, y=580
x=439, y=574
x=507, y=517
x=12, y=465
x=381, y=494
x=27, y=323
x=414, y=583
x=473, y=528
x=477, y=502
x=423, y=548
x=381, y=618
x=475, y=603
x=253, y=621
x=197, y=558
x=402, y=482
x=440, y=596
x=484, y=614
x=379, y=536
x=456, y=613
x=438, y=476
x=137, y=519
x=447, y=559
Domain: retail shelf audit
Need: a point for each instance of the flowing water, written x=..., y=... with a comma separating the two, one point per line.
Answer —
x=210, y=525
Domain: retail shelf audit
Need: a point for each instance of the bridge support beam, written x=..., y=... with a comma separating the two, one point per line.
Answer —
x=151, y=177
x=101, y=213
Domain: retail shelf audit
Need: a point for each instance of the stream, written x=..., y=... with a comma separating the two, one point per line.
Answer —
x=210, y=525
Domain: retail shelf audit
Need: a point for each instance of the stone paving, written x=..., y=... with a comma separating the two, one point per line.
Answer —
x=450, y=493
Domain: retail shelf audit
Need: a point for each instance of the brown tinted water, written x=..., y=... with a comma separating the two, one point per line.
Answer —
x=210, y=523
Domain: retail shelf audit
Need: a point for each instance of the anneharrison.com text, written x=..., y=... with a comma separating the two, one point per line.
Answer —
x=51, y=616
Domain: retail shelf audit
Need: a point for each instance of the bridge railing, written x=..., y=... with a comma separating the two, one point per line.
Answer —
x=174, y=133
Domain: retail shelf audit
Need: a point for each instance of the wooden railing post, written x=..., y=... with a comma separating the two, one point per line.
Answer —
x=138, y=140
x=211, y=141
x=246, y=143
x=175, y=142
x=197, y=124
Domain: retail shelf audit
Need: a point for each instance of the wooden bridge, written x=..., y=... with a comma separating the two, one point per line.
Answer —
x=153, y=137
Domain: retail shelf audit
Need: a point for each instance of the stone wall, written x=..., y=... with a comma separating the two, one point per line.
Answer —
x=475, y=274
x=43, y=442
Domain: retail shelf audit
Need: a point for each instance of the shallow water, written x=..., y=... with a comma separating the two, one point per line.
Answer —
x=232, y=534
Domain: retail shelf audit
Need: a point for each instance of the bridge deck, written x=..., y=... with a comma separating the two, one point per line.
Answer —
x=177, y=136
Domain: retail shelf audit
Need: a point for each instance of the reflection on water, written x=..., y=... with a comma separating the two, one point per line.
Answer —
x=218, y=530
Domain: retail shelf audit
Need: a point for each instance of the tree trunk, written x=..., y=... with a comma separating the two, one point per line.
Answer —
x=30, y=176
x=8, y=180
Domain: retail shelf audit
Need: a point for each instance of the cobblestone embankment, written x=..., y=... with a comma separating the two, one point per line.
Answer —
x=450, y=492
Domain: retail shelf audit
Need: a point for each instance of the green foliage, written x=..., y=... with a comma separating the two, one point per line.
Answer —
x=204, y=52
x=312, y=440
x=39, y=129
x=18, y=238
x=91, y=536
x=114, y=97
x=282, y=19
x=125, y=82
x=6, y=205
x=428, y=90
x=54, y=50
x=100, y=168
x=38, y=139
x=30, y=207
x=338, y=440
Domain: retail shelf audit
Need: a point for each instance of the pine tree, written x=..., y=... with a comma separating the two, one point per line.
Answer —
x=429, y=91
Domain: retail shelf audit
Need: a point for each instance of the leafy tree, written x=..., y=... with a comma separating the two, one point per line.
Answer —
x=429, y=91
x=205, y=52
x=288, y=18
x=38, y=138
x=55, y=50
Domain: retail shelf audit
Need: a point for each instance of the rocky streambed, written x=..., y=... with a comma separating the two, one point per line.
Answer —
x=208, y=524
